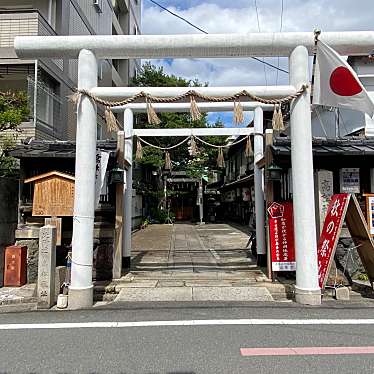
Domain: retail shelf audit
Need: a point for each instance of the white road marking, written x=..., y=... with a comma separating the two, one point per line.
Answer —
x=214, y=322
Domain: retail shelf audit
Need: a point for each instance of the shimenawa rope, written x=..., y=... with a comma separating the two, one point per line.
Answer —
x=192, y=95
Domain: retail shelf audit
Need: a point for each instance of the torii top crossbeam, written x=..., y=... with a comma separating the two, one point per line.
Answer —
x=193, y=46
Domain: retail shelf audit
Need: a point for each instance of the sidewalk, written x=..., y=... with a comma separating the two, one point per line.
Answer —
x=188, y=263
x=18, y=298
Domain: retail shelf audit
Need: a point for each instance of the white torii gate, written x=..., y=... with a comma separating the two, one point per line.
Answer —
x=129, y=132
x=296, y=46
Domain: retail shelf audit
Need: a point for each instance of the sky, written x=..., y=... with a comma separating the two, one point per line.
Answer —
x=240, y=16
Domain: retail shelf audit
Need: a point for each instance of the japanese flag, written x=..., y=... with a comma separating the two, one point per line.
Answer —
x=337, y=85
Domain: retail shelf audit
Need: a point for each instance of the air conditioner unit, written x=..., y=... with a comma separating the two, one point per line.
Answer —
x=98, y=5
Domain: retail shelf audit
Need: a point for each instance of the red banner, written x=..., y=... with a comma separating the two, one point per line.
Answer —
x=330, y=234
x=282, y=236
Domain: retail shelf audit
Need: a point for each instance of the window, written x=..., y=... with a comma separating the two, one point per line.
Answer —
x=48, y=102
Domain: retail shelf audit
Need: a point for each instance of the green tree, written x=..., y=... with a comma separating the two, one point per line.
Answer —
x=13, y=110
x=153, y=76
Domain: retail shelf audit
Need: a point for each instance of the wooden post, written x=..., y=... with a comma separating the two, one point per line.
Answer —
x=269, y=197
x=20, y=192
x=117, y=250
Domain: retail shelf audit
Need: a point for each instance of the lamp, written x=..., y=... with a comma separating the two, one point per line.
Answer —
x=274, y=172
x=116, y=175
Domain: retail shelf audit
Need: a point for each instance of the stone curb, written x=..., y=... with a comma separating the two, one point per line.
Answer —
x=17, y=301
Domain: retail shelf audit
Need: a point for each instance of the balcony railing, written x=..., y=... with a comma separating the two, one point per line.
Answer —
x=45, y=105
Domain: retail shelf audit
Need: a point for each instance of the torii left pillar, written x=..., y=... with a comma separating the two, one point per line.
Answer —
x=81, y=287
x=127, y=200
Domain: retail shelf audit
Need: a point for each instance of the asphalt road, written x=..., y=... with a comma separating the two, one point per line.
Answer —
x=186, y=349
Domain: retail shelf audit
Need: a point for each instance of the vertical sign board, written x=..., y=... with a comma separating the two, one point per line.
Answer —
x=350, y=180
x=370, y=212
x=102, y=159
x=282, y=236
x=330, y=234
x=325, y=189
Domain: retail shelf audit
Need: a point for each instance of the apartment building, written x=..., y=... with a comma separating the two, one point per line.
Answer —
x=48, y=82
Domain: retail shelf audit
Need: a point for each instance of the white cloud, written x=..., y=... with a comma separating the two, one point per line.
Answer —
x=222, y=16
x=225, y=72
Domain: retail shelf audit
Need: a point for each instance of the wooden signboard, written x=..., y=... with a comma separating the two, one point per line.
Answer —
x=344, y=206
x=53, y=194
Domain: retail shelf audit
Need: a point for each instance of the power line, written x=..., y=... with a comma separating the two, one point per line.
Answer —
x=206, y=32
x=280, y=30
x=178, y=16
x=259, y=30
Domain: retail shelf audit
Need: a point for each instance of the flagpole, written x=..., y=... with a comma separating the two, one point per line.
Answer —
x=317, y=33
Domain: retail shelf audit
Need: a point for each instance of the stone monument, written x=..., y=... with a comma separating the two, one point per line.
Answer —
x=46, y=267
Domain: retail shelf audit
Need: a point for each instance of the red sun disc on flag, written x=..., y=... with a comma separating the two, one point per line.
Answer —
x=343, y=83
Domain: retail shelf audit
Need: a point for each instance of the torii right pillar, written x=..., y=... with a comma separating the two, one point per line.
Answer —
x=307, y=290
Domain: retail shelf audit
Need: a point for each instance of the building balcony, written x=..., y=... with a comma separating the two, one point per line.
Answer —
x=21, y=23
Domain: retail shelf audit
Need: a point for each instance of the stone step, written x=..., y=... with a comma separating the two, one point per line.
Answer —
x=138, y=294
x=187, y=274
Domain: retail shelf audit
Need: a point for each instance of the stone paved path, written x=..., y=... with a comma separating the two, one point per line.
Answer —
x=191, y=248
x=184, y=250
x=185, y=262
